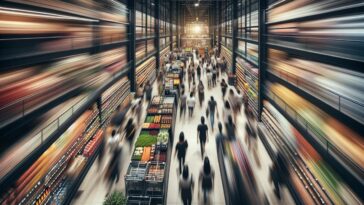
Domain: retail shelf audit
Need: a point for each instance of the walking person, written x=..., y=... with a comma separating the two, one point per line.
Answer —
x=214, y=76
x=113, y=141
x=148, y=91
x=189, y=74
x=113, y=170
x=193, y=89
x=198, y=72
x=202, y=135
x=191, y=104
x=223, y=87
x=139, y=93
x=183, y=104
x=201, y=92
x=130, y=131
x=227, y=111
x=206, y=179
x=212, y=107
x=230, y=128
x=181, y=149
x=186, y=185
x=209, y=78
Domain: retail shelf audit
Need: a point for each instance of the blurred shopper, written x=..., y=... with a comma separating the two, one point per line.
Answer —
x=214, y=76
x=223, y=87
x=181, y=149
x=183, y=104
x=113, y=170
x=117, y=117
x=193, y=89
x=202, y=135
x=239, y=100
x=201, y=92
x=186, y=185
x=180, y=75
x=113, y=141
x=193, y=76
x=148, y=91
x=279, y=173
x=206, y=179
x=198, y=72
x=191, y=104
x=139, y=93
x=220, y=135
x=227, y=111
x=212, y=107
x=102, y=149
x=130, y=130
x=230, y=128
x=209, y=78
x=189, y=75
x=138, y=110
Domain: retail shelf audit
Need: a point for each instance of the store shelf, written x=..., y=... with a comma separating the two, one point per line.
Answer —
x=351, y=173
x=76, y=111
x=323, y=12
x=349, y=110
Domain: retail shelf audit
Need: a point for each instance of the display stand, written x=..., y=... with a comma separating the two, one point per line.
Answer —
x=147, y=176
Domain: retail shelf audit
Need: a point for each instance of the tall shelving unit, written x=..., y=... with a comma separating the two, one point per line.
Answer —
x=294, y=60
x=80, y=63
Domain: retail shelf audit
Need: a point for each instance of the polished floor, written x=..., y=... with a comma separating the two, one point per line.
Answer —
x=94, y=188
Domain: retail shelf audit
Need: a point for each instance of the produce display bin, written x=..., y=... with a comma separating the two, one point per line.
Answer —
x=154, y=179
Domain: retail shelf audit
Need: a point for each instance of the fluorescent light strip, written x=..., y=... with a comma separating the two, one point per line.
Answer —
x=21, y=12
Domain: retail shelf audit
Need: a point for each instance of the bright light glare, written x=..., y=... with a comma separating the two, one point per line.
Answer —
x=197, y=4
x=197, y=29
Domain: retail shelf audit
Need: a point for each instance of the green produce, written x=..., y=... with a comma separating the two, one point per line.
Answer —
x=145, y=141
x=163, y=137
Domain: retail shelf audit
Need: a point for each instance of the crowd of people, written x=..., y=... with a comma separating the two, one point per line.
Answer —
x=209, y=68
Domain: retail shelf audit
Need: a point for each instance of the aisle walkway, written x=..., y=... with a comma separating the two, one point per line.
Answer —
x=194, y=161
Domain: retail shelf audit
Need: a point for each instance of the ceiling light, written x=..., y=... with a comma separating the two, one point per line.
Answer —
x=197, y=4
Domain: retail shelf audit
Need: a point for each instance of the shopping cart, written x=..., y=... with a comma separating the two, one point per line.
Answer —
x=134, y=179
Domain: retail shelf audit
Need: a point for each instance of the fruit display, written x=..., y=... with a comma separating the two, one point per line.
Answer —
x=162, y=139
x=146, y=154
x=149, y=119
x=165, y=126
x=157, y=100
x=153, y=126
x=152, y=110
x=167, y=111
x=166, y=119
x=169, y=106
x=137, y=155
x=157, y=119
x=146, y=125
x=176, y=82
x=168, y=100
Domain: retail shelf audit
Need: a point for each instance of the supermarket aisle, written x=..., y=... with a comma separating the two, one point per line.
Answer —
x=94, y=186
x=193, y=156
x=194, y=161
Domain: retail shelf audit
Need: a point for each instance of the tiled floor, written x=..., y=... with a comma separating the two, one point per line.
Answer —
x=94, y=187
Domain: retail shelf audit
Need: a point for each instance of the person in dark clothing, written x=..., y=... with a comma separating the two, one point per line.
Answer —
x=130, y=130
x=180, y=75
x=113, y=171
x=148, y=91
x=223, y=87
x=212, y=107
x=186, y=185
x=202, y=133
x=214, y=76
x=230, y=128
x=183, y=104
x=198, y=72
x=181, y=148
x=201, y=92
x=279, y=173
x=206, y=178
x=220, y=135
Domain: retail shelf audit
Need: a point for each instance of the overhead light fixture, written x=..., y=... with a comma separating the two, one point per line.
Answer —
x=197, y=29
x=197, y=4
